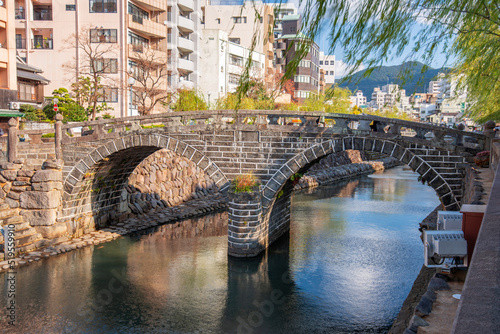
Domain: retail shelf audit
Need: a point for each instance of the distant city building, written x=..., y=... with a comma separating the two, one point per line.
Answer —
x=359, y=99
x=327, y=63
x=306, y=76
x=281, y=10
x=388, y=96
x=223, y=63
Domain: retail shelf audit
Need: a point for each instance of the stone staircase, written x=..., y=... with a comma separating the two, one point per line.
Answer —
x=448, y=164
x=26, y=238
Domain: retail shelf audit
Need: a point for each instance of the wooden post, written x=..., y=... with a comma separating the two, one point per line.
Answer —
x=58, y=136
x=12, y=154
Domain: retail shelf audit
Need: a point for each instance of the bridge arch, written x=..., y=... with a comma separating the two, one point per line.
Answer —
x=95, y=184
x=303, y=160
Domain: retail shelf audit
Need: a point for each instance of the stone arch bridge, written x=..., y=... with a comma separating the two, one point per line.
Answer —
x=86, y=183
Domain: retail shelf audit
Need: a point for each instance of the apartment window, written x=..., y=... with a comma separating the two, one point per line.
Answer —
x=331, y=72
x=235, y=40
x=305, y=63
x=106, y=65
x=218, y=21
x=293, y=29
x=239, y=19
x=302, y=78
x=302, y=94
x=70, y=8
x=103, y=35
x=102, y=6
x=234, y=79
x=26, y=91
x=261, y=20
x=326, y=62
x=321, y=62
x=235, y=60
x=138, y=15
x=107, y=94
x=137, y=41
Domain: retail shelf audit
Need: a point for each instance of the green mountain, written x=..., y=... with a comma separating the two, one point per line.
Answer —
x=410, y=75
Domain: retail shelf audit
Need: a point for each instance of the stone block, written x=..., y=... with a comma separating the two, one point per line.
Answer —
x=9, y=175
x=40, y=200
x=25, y=173
x=47, y=186
x=12, y=203
x=46, y=175
x=10, y=166
x=40, y=217
x=53, y=164
x=52, y=232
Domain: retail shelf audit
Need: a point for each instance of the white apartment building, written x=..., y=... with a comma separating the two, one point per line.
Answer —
x=327, y=63
x=223, y=63
x=242, y=23
x=47, y=33
x=184, y=33
x=390, y=95
x=359, y=99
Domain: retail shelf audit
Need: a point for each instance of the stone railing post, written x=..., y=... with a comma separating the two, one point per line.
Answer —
x=12, y=154
x=58, y=136
x=489, y=132
x=460, y=138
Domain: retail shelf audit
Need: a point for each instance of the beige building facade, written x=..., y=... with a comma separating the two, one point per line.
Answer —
x=58, y=38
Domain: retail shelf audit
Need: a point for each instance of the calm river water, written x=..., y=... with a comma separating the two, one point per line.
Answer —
x=346, y=266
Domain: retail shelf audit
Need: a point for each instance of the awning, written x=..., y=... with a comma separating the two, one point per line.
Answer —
x=31, y=76
x=10, y=113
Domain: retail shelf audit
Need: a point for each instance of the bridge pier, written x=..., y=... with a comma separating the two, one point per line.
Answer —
x=252, y=227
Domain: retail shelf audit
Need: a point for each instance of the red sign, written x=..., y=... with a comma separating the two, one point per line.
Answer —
x=56, y=108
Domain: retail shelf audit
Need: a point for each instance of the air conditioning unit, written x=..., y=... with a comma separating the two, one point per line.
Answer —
x=14, y=105
x=449, y=221
x=442, y=245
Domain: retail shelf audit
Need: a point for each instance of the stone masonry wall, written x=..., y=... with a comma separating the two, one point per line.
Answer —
x=30, y=199
x=170, y=177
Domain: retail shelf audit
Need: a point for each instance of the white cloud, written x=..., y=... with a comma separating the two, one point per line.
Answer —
x=342, y=68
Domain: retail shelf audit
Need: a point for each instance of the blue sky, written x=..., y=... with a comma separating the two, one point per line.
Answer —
x=324, y=44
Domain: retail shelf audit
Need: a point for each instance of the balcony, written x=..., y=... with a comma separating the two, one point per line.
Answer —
x=42, y=13
x=46, y=43
x=3, y=16
x=153, y=5
x=186, y=65
x=20, y=14
x=185, y=44
x=144, y=52
x=185, y=24
x=146, y=27
x=186, y=5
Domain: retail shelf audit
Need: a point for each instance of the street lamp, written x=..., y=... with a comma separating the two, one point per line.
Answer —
x=131, y=82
